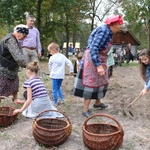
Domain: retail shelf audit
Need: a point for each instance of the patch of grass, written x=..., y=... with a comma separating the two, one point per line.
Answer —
x=75, y=128
x=131, y=64
x=5, y=136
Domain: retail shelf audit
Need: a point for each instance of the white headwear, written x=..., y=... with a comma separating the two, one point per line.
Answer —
x=22, y=29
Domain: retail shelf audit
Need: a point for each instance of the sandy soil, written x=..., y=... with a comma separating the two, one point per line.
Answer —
x=124, y=87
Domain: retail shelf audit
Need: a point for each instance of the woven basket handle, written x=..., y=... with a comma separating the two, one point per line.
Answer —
x=6, y=98
x=8, y=105
x=104, y=115
x=54, y=111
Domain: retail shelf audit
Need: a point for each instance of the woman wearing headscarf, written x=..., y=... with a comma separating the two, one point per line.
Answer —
x=11, y=57
x=91, y=81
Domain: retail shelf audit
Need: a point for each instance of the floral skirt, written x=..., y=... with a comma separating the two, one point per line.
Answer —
x=8, y=87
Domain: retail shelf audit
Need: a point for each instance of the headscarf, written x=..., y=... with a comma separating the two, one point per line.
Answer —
x=117, y=19
x=21, y=28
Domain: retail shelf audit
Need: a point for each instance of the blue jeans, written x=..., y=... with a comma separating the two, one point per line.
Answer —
x=56, y=90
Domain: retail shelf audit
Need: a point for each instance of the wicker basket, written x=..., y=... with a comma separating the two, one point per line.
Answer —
x=50, y=131
x=6, y=117
x=102, y=136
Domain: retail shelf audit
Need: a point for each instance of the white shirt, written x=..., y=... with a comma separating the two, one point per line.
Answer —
x=57, y=64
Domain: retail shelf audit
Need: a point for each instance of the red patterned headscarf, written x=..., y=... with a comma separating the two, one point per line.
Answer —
x=114, y=19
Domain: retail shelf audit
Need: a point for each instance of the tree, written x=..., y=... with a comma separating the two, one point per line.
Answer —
x=99, y=9
x=12, y=11
x=137, y=13
x=70, y=13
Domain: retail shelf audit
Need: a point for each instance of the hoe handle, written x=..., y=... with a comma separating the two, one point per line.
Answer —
x=134, y=101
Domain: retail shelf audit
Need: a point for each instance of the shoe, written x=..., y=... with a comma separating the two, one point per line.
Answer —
x=86, y=114
x=55, y=104
x=89, y=111
x=101, y=105
x=61, y=101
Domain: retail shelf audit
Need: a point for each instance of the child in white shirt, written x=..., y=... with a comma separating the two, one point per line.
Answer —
x=57, y=64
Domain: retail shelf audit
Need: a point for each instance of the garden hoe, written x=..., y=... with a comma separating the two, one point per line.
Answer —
x=127, y=111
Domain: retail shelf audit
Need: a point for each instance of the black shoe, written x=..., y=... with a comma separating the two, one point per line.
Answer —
x=89, y=111
x=86, y=114
x=101, y=105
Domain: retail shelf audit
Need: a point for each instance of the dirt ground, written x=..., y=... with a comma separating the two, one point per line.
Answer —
x=124, y=87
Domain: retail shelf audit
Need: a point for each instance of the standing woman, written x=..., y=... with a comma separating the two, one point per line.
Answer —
x=91, y=81
x=11, y=57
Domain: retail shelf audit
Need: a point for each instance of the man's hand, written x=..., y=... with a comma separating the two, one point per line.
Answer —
x=39, y=54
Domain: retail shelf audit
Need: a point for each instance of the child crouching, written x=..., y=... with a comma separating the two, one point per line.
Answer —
x=37, y=96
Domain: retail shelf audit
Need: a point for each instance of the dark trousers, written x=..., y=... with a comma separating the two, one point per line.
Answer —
x=110, y=71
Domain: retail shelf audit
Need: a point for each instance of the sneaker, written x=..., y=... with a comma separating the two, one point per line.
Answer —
x=101, y=105
x=55, y=104
x=86, y=114
x=89, y=111
x=61, y=101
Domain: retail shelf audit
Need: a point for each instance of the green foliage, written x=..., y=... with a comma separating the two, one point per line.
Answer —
x=12, y=12
x=137, y=14
x=58, y=20
x=3, y=31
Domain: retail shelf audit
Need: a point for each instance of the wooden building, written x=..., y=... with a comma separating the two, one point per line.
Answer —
x=122, y=38
x=125, y=37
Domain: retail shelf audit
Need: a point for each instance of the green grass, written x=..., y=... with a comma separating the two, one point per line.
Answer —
x=131, y=64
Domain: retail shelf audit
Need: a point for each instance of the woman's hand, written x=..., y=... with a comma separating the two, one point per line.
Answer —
x=16, y=111
x=101, y=70
x=143, y=92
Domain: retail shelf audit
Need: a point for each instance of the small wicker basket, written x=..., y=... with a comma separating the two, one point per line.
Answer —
x=6, y=117
x=50, y=131
x=102, y=136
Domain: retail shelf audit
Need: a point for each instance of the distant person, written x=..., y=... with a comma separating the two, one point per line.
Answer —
x=110, y=62
x=31, y=45
x=70, y=50
x=37, y=99
x=77, y=62
x=128, y=53
x=42, y=52
x=57, y=64
x=91, y=80
x=137, y=55
x=144, y=66
x=11, y=57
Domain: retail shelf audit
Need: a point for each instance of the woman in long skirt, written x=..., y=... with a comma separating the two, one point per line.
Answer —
x=92, y=80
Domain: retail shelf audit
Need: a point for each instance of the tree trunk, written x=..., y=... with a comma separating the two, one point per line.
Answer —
x=67, y=35
x=74, y=39
x=149, y=34
x=92, y=24
x=39, y=14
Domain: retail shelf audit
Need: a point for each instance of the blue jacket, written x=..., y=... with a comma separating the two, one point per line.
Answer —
x=148, y=77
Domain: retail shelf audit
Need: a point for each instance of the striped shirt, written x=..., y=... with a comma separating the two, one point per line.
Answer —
x=98, y=40
x=37, y=87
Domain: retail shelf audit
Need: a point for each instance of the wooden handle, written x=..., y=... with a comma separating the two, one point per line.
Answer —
x=73, y=74
x=134, y=101
x=67, y=74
